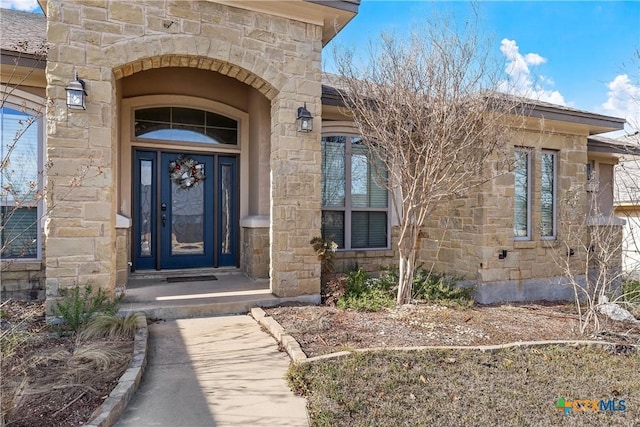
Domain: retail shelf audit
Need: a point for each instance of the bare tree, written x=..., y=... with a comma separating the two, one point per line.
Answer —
x=426, y=107
x=590, y=253
x=22, y=177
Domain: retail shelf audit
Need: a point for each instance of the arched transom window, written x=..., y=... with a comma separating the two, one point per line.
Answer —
x=185, y=125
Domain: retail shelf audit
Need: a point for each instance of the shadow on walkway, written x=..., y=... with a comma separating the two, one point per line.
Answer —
x=216, y=371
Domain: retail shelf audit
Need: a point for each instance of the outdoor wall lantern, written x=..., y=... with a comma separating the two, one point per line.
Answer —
x=305, y=120
x=76, y=94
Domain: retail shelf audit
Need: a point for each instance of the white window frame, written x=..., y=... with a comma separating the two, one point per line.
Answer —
x=554, y=235
x=529, y=153
x=347, y=208
x=29, y=103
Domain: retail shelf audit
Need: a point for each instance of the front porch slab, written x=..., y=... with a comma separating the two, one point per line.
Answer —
x=231, y=293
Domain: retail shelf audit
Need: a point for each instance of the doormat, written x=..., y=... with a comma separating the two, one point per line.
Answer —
x=190, y=279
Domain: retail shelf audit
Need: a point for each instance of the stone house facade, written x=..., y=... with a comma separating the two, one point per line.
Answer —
x=213, y=88
x=475, y=238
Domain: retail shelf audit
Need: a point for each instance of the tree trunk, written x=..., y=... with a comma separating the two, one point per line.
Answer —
x=405, y=281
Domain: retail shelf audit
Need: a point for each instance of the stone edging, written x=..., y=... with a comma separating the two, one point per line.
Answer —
x=289, y=343
x=297, y=355
x=111, y=409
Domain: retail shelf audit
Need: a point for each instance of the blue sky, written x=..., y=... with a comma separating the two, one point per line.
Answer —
x=574, y=53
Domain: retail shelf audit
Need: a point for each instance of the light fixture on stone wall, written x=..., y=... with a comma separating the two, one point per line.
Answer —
x=304, y=119
x=76, y=94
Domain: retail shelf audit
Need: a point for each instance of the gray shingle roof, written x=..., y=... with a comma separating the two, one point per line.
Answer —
x=598, y=123
x=23, y=32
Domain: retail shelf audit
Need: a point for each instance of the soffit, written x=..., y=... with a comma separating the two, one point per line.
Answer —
x=16, y=75
x=594, y=123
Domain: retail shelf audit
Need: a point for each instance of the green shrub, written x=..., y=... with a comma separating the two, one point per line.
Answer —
x=431, y=287
x=78, y=305
x=631, y=291
x=365, y=293
x=439, y=288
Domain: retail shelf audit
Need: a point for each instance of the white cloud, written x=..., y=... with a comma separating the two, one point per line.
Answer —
x=521, y=81
x=28, y=5
x=623, y=100
x=534, y=59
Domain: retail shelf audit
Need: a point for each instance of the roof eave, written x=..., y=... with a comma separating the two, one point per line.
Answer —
x=21, y=59
x=346, y=5
x=596, y=123
x=43, y=6
x=594, y=146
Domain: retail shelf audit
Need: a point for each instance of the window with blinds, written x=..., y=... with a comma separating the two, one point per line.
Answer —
x=19, y=232
x=548, y=195
x=19, y=183
x=355, y=207
x=522, y=195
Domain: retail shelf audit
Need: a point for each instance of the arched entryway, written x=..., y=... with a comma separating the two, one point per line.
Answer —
x=192, y=152
x=275, y=60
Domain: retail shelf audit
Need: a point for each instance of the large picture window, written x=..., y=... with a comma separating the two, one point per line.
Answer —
x=522, y=195
x=20, y=206
x=355, y=208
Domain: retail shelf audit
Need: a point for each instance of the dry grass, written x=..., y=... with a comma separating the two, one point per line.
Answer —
x=52, y=380
x=74, y=375
x=13, y=334
x=110, y=327
x=512, y=387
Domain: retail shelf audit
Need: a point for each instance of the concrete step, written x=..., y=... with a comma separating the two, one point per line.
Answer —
x=207, y=308
x=231, y=293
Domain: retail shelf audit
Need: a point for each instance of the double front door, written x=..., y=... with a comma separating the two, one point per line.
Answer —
x=185, y=210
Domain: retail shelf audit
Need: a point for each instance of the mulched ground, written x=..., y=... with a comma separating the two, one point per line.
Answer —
x=321, y=329
x=48, y=380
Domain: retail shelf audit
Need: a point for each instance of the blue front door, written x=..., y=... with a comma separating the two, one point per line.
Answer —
x=185, y=210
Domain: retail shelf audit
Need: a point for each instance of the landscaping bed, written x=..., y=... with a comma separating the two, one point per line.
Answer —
x=515, y=386
x=322, y=329
x=53, y=380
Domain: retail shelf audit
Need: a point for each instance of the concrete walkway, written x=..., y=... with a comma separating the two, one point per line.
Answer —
x=215, y=371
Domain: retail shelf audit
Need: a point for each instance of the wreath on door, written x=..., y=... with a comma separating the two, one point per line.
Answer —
x=186, y=172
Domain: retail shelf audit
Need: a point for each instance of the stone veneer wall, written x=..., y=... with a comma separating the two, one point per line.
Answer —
x=123, y=257
x=104, y=41
x=255, y=252
x=466, y=236
x=463, y=238
x=371, y=260
x=23, y=280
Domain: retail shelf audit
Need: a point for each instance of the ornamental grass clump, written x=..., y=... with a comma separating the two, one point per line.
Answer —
x=110, y=327
x=79, y=305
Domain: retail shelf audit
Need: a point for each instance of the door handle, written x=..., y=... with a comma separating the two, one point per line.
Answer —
x=164, y=219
